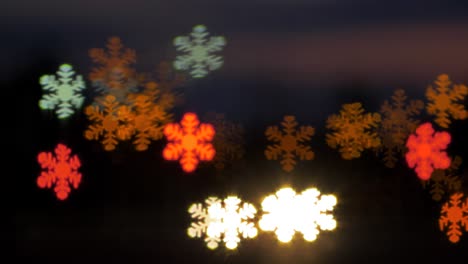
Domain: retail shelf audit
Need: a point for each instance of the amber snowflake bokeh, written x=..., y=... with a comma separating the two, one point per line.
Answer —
x=353, y=131
x=289, y=143
x=228, y=141
x=445, y=101
x=398, y=121
x=113, y=73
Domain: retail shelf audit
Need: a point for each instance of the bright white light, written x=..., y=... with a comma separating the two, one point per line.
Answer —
x=214, y=221
x=287, y=212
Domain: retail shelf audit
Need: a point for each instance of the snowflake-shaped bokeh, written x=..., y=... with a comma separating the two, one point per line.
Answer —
x=216, y=221
x=110, y=124
x=59, y=169
x=398, y=121
x=64, y=92
x=189, y=142
x=287, y=212
x=427, y=151
x=113, y=72
x=454, y=217
x=353, y=131
x=446, y=101
x=289, y=143
x=199, y=49
x=444, y=181
x=229, y=141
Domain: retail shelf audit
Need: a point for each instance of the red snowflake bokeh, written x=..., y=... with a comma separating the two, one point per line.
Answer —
x=61, y=171
x=426, y=151
x=190, y=142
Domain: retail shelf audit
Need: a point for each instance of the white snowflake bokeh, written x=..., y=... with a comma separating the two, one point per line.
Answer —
x=220, y=223
x=63, y=93
x=199, y=49
x=287, y=212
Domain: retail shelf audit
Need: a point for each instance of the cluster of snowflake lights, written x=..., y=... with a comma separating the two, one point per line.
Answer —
x=287, y=212
x=216, y=220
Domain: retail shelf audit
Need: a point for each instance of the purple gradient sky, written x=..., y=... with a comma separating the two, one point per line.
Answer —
x=408, y=52
x=297, y=41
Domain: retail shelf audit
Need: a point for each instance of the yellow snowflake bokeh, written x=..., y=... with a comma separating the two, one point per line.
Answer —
x=353, y=131
x=397, y=124
x=444, y=101
x=289, y=143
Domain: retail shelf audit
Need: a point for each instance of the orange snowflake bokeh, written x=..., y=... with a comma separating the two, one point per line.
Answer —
x=190, y=142
x=425, y=151
x=61, y=171
x=289, y=143
x=454, y=215
x=445, y=101
x=110, y=124
x=113, y=72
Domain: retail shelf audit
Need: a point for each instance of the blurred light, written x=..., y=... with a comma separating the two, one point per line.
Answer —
x=190, y=142
x=199, y=57
x=426, y=151
x=446, y=101
x=60, y=170
x=290, y=143
x=113, y=72
x=287, y=212
x=214, y=221
x=454, y=216
x=109, y=124
x=64, y=91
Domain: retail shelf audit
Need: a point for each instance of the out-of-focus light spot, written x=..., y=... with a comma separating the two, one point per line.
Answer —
x=454, y=215
x=229, y=141
x=113, y=73
x=399, y=119
x=110, y=124
x=353, y=131
x=64, y=91
x=189, y=142
x=222, y=223
x=60, y=170
x=199, y=49
x=445, y=101
x=426, y=151
x=287, y=212
x=291, y=143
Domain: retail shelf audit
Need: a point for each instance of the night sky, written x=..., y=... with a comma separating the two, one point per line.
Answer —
x=283, y=57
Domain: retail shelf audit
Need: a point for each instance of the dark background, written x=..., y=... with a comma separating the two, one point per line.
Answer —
x=304, y=58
